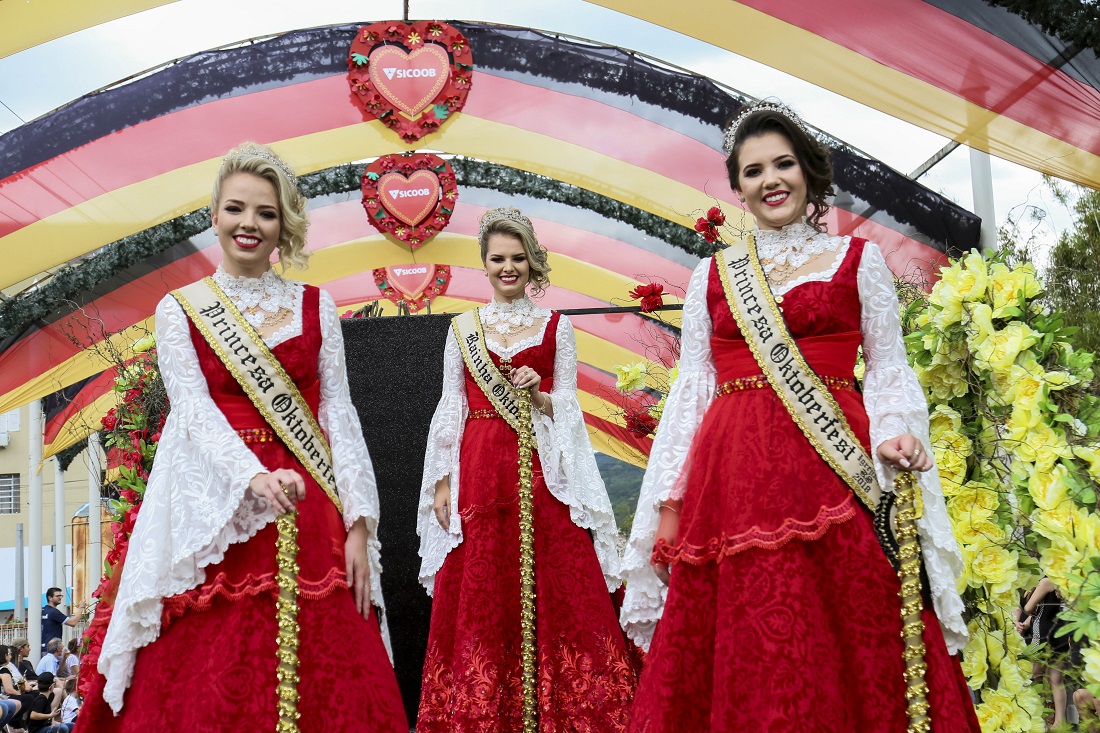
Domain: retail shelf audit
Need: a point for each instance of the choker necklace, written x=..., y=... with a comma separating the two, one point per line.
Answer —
x=783, y=252
x=508, y=319
x=263, y=301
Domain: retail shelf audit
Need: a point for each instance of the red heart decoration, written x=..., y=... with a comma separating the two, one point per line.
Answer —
x=409, y=199
x=411, y=77
x=410, y=81
x=413, y=285
x=411, y=280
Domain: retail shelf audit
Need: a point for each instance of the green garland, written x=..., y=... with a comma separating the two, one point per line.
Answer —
x=75, y=280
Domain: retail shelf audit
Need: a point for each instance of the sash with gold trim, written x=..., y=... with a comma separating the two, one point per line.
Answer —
x=514, y=405
x=243, y=352
x=819, y=417
x=807, y=399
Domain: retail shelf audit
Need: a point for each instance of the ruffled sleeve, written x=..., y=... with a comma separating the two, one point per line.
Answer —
x=197, y=503
x=441, y=459
x=568, y=463
x=354, y=471
x=665, y=474
x=896, y=405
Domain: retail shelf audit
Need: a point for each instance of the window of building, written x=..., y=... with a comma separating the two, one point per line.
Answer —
x=9, y=493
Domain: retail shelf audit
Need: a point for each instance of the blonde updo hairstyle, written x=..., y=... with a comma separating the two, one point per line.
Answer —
x=261, y=161
x=511, y=221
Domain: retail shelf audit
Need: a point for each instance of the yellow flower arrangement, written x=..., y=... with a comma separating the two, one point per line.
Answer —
x=1016, y=436
x=630, y=377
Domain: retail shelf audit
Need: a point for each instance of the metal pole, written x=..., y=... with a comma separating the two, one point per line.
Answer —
x=59, y=543
x=95, y=541
x=34, y=585
x=981, y=180
x=20, y=584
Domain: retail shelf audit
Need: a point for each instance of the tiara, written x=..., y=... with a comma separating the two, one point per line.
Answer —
x=731, y=131
x=505, y=212
x=261, y=152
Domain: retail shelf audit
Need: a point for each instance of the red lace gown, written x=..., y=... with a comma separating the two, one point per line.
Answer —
x=783, y=611
x=472, y=670
x=213, y=666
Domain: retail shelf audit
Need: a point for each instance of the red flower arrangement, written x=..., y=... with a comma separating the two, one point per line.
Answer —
x=132, y=430
x=639, y=422
x=410, y=76
x=708, y=225
x=650, y=295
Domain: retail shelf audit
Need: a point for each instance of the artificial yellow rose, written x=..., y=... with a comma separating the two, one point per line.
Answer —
x=1005, y=286
x=972, y=281
x=974, y=501
x=943, y=420
x=657, y=411
x=995, y=566
x=1012, y=680
x=946, y=299
x=673, y=373
x=1040, y=444
x=1049, y=488
x=1060, y=561
x=944, y=381
x=991, y=712
x=630, y=376
x=1007, y=344
x=974, y=663
x=979, y=531
x=145, y=343
x=952, y=450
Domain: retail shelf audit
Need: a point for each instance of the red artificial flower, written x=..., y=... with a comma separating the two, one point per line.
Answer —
x=129, y=495
x=131, y=517
x=388, y=164
x=716, y=217
x=110, y=420
x=650, y=295
x=641, y=423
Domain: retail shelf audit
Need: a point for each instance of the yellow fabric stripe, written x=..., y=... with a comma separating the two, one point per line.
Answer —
x=50, y=242
x=820, y=61
x=24, y=24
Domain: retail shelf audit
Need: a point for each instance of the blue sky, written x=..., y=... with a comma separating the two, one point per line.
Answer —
x=43, y=78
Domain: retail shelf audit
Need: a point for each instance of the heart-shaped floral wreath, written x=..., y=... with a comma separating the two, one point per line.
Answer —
x=414, y=230
x=412, y=99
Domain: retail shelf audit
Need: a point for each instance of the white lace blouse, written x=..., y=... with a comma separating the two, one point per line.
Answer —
x=198, y=502
x=568, y=463
x=893, y=398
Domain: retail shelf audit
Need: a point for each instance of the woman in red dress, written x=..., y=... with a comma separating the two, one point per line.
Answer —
x=470, y=532
x=781, y=611
x=193, y=641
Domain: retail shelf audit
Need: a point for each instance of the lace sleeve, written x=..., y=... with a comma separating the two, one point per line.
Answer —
x=197, y=503
x=441, y=459
x=687, y=402
x=896, y=405
x=351, y=462
x=568, y=463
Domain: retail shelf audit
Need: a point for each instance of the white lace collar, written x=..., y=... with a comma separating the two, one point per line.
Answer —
x=521, y=314
x=792, y=247
x=260, y=297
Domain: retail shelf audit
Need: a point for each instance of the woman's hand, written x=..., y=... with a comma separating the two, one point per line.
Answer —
x=441, y=505
x=905, y=453
x=357, y=560
x=668, y=528
x=282, y=487
x=525, y=377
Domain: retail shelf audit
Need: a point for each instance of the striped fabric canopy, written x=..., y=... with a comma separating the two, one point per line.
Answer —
x=114, y=164
x=974, y=73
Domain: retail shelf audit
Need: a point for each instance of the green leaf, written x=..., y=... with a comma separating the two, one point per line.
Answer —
x=373, y=175
x=442, y=111
x=359, y=59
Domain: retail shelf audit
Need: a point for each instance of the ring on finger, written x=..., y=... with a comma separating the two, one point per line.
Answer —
x=285, y=488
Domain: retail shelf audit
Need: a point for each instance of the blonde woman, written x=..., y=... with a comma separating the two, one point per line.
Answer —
x=207, y=581
x=469, y=518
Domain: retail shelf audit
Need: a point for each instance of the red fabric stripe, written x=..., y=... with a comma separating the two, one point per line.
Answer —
x=940, y=49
